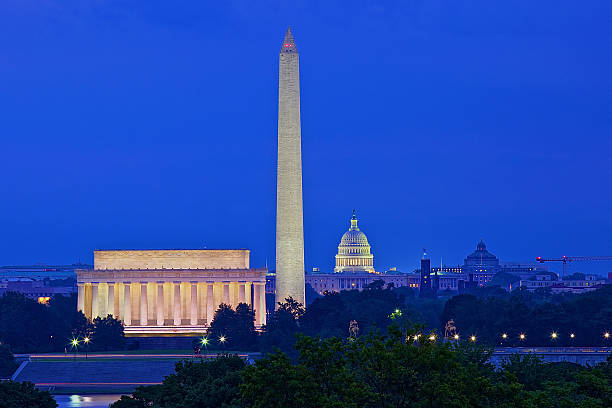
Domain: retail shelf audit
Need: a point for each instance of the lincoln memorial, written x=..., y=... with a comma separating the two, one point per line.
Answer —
x=169, y=291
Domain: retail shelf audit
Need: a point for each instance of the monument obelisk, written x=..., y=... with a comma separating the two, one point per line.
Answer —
x=289, y=216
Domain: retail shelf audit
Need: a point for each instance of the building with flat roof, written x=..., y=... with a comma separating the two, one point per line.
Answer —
x=169, y=291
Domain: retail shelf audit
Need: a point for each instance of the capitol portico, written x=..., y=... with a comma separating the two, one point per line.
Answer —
x=169, y=291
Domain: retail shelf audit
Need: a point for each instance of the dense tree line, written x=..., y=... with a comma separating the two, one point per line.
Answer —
x=29, y=327
x=486, y=313
x=489, y=313
x=377, y=370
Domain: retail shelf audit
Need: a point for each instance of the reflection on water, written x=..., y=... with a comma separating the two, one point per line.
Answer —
x=86, y=401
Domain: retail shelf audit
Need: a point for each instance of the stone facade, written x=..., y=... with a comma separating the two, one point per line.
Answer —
x=289, y=217
x=169, y=291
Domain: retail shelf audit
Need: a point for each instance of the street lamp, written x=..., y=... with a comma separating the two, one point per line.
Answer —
x=473, y=338
x=456, y=337
x=75, y=345
x=86, y=341
x=553, y=335
x=572, y=335
x=222, y=339
x=606, y=335
x=522, y=336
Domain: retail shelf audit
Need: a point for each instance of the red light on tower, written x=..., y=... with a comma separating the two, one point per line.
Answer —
x=287, y=45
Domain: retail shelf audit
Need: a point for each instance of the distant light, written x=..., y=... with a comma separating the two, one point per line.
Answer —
x=553, y=335
x=456, y=337
x=432, y=337
x=504, y=336
x=287, y=45
x=472, y=338
x=204, y=341
x=572, y=335
x=222, y=339
x=86, y=339
x=74, y=342
x=522, y=336
x=607, y=335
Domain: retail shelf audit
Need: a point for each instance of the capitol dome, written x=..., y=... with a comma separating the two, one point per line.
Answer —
x=354, y=251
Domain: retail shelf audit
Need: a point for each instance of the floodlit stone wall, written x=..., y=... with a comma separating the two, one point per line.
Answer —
x=172, y=259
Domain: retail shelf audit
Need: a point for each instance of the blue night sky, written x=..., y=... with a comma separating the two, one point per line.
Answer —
x=152, y=124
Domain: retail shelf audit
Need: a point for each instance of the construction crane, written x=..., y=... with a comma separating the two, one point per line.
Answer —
x=566, y=259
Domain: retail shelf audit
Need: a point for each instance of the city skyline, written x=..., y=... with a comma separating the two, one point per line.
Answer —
x=144, y=143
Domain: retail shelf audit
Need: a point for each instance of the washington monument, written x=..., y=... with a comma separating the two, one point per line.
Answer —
x=289, y=218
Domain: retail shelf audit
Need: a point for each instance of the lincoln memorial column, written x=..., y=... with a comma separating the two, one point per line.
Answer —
x=247, y=293
x=210, y=307
x=241, y=292
x=193, y=313
x=144, y=316
x=110, y=309
x=160, y=303
x=95, y=301
x=127, y=304
x=81, y=297
x=226, y=297
x=176, y=301
x=233, y=294
x=259, y=302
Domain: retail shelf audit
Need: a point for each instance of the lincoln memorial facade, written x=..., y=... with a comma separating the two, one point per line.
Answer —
x=169, y=291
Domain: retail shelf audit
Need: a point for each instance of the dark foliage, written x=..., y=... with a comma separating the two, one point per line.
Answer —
x=7, y=362
x=196, y=384
x=21, y=395
x=237, y=327
x=28, y=326
x=537, y=315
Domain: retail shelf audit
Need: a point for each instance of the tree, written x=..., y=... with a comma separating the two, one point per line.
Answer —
x=196, y=384
x=237, y=327
x=23, y=394
x=7, y=362
x=279, y=333
x=107, y=334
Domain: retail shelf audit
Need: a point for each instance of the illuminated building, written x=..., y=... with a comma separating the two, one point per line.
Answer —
x=354, y=251
x=169, y=291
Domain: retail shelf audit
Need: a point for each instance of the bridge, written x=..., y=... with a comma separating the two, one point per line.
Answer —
x=579, y=355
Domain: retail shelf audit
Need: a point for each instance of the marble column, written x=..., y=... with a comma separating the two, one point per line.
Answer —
x=233, y=291
x=262, y=302
x=247, y=293
x=160, y=303
x=127, y=304
x=176, y=303
x=81, y=297
x=110, y=308
x=241, y=292
x=95, y=301
x=144, y=305
x=193, y=312
x=210, y=307
x=258, y=304
x=226, y=296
